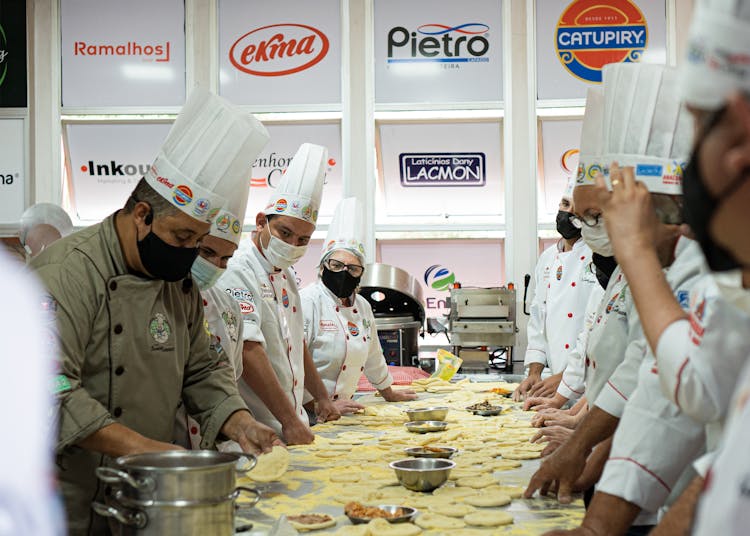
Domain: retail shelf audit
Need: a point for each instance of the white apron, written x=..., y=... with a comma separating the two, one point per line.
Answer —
x=343, y=342
x=272, y=315
x=563, y=281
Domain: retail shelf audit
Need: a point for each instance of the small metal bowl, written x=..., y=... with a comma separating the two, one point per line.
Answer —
x=422, y=474
x=427, y=414
x=422, y=427
x=494, y=410
x=409, y=514
x=421, y=452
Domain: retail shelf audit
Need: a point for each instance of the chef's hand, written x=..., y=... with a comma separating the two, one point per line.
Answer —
x=562, y=468
x=345, y=407
x=539, y=403
x=391, y=395
x=530, y=381
x=628, y=212
x=297, y=433
x=325, y=410
x=560, y=418
x=547, y=387
x=555, y=436
x=252, y=436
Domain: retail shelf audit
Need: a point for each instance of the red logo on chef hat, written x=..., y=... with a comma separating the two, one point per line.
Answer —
x=593, y=33
x=279, y=49
x=353, y=329
x=284, y=297
x=183, y=195
x=281, y=205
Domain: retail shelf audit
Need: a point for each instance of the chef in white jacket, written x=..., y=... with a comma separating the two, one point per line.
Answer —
x=277, y=367
x=223, y=318
x=339, y=324
x=563, y=280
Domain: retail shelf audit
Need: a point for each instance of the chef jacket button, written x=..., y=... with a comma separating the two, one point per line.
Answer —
x=347, y=337
x=118, y=329
x=283, y=276
x=295, y=383
x=573, y=284
x=194, y=430
x=113, y=285
x=337, y=309
x=567, y=346
x=583, y=258
x=593, y=363
x=270, y=277
x=570, y=315
x=205, y=302
x=117, y=412
x=588, y=362
x=294, y=309
x=361, y=369
x=355, y=311
x=343, y=368
x=364, y=339
x=119, y=370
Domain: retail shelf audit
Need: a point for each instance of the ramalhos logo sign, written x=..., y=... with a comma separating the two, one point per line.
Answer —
x=279, y=49
x=442, y=169
x=439, y=43
x=593, y=33
x=150, y=51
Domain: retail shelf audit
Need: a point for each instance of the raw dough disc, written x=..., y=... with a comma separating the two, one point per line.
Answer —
x=514, y=492
x=476, y=481
x=487, y=500
x=381, y=527
x=430, y=521
x=329, y=522
x=344, y=477
x=451, y=509
x=452, y=492
x=270, y=466
x=489, y=519
x=503, y=465
x=521, y=455
x=353, y=530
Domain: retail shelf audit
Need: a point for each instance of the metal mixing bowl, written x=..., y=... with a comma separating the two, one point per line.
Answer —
x=421, y=452
x=422, y=474
x=427, y=414
x=422, y=427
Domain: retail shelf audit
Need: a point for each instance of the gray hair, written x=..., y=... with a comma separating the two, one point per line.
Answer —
x=668, y=208
x=44, y=213
x=143, y=191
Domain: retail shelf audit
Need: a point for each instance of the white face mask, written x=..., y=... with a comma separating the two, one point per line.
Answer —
x=205, y=273
x=597, y=239
x=279, y=253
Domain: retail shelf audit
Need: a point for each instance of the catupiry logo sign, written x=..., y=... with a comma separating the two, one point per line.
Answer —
x=439, y=43
x=442, y=169
x=279, y=49
x=593, y=33
x=153, y=52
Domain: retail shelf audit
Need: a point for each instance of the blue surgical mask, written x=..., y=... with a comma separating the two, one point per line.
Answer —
x=205, y=273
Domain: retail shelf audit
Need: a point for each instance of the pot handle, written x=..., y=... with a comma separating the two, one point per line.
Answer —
x=250, y=458
x=240, y=489
x=135, y=519
x=115, y=476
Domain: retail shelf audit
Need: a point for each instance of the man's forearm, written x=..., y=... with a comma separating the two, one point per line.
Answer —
x=679, y=518
x=653, y=297
x=259, y=375
x=535, y=369
x=116, y=440
x=313, y=383
x=609, y=515
x=595, y=427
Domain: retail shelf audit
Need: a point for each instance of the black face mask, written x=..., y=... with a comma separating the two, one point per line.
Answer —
x=565, y=227
x=164, y=261
x=604, y=268
x=342, y=283
x=699, y=207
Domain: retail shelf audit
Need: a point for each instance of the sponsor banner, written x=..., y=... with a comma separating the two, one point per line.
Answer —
x=12, y=170
x=437, y=264
x=437, y=51
x=280, y=52
x=441, y=169
x=122, y=53
x=575, y=39
x=558, y=162
x=273, y=161
x=13, y=54
x=105, y=161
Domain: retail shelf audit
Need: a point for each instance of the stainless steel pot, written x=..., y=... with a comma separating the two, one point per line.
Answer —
x=174, y=492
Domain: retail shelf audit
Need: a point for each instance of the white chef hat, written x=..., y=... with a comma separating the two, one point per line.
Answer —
x=235, y=188
x=301, y=187
x=211, y=139
x=591, y=155
x=44, y=213
x=645, y=124
x=718, y=53
x=347, y=229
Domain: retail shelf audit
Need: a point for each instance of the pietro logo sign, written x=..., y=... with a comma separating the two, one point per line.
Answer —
x=442, y=169
x=153, y=52
x=593, y=33
x=439, y=43
x=279, y=49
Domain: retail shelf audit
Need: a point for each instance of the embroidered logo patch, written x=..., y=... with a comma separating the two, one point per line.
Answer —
x=230, y=321
x=159, y=328
x=353, y=329
x=284, y=297
x=327, y=325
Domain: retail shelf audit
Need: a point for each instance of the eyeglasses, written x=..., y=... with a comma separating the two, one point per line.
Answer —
x=337, y=266
x=589, y=220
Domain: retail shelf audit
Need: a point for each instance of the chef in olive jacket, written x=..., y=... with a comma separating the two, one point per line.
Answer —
x=132, y=339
